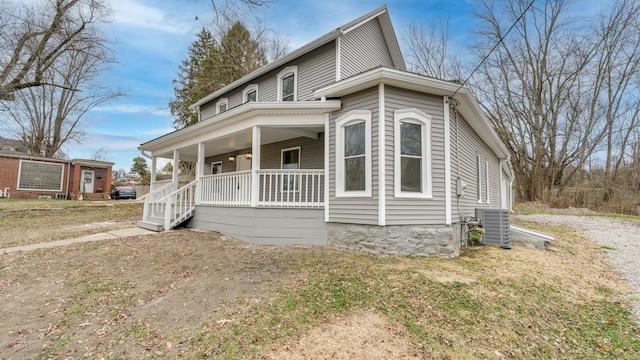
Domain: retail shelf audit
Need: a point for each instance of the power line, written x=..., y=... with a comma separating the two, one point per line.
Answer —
x=494, y=47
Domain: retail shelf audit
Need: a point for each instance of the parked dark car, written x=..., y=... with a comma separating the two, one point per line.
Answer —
x=123, y=192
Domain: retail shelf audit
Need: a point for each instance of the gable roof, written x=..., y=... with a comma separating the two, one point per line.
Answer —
x=387, y=29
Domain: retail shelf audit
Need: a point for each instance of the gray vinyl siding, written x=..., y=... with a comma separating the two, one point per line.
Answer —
x=362, y=49
x=356, y=210
x=406, y=211
x=311, y=154
x=315, y=69
x=470, y=146
x=264, y=226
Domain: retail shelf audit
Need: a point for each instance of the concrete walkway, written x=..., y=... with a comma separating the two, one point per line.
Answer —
x=109, y=235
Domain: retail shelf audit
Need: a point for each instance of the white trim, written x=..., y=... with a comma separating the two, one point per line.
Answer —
x=413, y=116
x=382, y=183
x=327, y=130
x=284, y=73
x=222, y=101
x=449, y=185
x=256, y=152
x=364, y=21
x=486, y=180
x=217, y=163
x=350, y=118
x=41, y=162
x=338, y=56
x=248, y=89
x=199, y=171
x=478, y=179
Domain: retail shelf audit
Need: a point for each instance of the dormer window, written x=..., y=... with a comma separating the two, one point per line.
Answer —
x=288, y=84
x=222, y=105
x=250, y=93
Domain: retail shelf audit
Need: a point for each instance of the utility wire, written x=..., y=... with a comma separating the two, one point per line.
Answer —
x=494, y=47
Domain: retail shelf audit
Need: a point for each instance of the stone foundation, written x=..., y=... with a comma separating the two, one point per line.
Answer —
x=400, y=240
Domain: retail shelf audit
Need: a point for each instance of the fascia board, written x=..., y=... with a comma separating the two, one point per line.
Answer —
x=248, y=110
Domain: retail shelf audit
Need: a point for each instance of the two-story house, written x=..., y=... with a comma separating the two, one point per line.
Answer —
x=335, y=143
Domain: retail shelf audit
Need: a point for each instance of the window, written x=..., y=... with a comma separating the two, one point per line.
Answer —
x=250, y=93
x=222, y=105
x=290, y=159
x=288, y=84
x=38, y=175
x=486, y=180
x=412, y=150
x=216, y=167
x=353, y=154
x=479, y=178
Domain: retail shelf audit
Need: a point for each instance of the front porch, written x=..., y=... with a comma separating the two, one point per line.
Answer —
x=169, y=205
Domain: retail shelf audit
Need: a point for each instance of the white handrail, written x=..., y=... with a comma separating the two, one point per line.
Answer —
x=154, y=201
x=179, y=205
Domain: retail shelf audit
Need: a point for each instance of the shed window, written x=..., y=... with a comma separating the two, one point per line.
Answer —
x=38, y=175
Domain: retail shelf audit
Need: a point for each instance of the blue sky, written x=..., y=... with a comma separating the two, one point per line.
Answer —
x=151, y=38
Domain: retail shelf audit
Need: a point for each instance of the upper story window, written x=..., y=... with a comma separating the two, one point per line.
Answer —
x=222, y=105
x=250, y=93
x=288, y=84
x=412, y=150
x=353, y=154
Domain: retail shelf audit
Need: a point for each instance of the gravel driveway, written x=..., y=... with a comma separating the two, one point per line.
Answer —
x=622, y=236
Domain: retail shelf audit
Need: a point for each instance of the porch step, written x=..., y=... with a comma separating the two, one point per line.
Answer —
x=151, y=225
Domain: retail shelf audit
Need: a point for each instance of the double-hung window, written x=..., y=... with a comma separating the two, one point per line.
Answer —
x=288, y=84
x=216, y=168
x=290, y=161
x=412, y=147
x=353, y=150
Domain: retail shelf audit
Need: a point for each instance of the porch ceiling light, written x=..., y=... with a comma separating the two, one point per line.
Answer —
x=249, y=155
x=232, y=158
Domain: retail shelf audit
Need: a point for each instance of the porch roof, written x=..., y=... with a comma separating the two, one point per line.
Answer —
x=235, y=124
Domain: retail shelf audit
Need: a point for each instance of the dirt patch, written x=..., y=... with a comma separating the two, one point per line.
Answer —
x=128, y=297
x=360, y=335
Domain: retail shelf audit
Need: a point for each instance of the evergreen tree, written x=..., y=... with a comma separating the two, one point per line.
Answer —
x=212, y=65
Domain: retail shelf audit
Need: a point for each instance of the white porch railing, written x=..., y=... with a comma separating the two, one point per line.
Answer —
x=180, y=205
x=154, y=201
x=229, y=189
x=291, y=188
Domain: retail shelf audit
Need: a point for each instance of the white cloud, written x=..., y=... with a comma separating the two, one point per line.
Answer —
x=135, y=13
x=134, y=109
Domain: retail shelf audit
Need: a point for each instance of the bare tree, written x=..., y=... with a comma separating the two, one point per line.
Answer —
x=33, y=38
x=46, y=112
x=554, y=88
x=430, y=51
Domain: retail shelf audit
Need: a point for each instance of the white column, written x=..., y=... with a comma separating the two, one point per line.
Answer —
x=176, y=165
x=326, y=167
x=199, y=171
x=255, y=164
x=154, y=165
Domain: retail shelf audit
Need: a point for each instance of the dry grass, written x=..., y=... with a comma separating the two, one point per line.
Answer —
x=199, y=295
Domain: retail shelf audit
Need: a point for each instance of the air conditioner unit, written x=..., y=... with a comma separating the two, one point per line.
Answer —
x=496, y=226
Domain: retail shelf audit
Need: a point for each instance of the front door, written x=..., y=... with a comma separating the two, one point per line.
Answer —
x=242, y=163
x=88, y=177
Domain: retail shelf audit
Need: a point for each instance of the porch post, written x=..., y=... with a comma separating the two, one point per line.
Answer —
x=255, y=164
x=154, y=165
x=199, y=171
x=176, y=165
